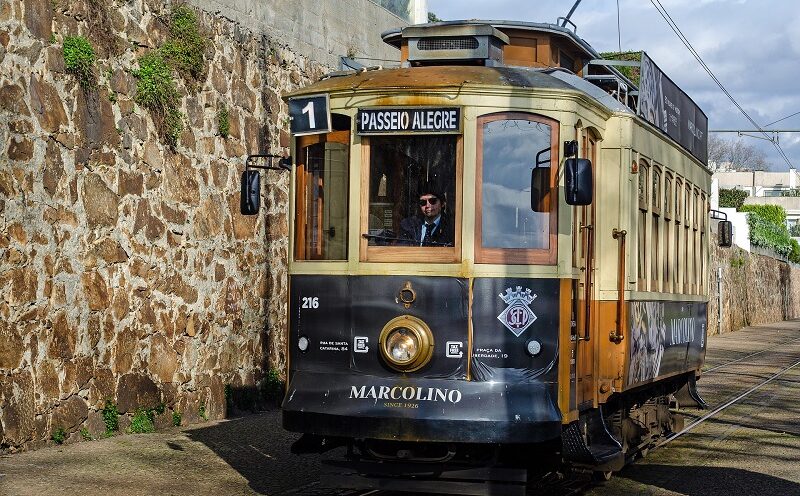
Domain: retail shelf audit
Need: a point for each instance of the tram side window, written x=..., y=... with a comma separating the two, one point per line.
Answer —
x=516, y=184
x=412, y=191
x=321, y=193
x=642, y=226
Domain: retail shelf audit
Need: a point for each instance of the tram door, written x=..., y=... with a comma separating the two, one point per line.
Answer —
x=584, y=234
x=322, y=164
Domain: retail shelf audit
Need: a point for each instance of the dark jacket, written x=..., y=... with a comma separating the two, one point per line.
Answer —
x=411, y=229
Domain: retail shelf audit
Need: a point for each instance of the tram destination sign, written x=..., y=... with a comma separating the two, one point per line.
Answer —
x=664, y=105
x=407, y=120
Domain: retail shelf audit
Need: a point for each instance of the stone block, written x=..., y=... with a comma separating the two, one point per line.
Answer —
x=47, y=105
x=99, y=202
x=136, y=391
x=96, y=290
x=39, y=18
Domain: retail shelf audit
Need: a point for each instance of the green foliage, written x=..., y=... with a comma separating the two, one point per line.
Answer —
x=223, y=122
x=631, y=73
x=176, y=419
x=160, y=409
x=794, y=230
x=433, y=17
x=185, y=48
x=794, y=255
x=79, y=60
x=157, y=92
x=142, y=422
x=770, y=213
x=737, y=262
x=768, y=234
x=85, y=434
x=59, y=435
x=793, y=192
x=732, y=198
x=272, y=387
x=201, y=412
x=111, y=417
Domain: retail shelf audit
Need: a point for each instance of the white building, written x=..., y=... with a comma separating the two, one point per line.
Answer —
x=763, y=188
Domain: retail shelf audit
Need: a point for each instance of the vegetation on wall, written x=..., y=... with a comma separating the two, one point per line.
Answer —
x=768, y=229
x=732, y=198
x=156, y=89
x=79, y=60
x=223, y=122
x=184, y=50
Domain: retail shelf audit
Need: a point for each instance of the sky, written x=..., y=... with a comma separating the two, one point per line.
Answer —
x=751, y=46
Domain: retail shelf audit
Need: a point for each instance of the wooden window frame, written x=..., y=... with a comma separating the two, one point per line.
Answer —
x=301, y=182
x=517, y=256
x=409, y=254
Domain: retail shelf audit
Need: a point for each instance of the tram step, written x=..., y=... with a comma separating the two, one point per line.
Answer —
x=602, y=450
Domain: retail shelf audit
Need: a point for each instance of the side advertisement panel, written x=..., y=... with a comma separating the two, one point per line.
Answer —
x=665, y=338
x=664, y=105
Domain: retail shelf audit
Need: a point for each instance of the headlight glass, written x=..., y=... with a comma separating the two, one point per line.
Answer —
x=406, y=343
x=402, y=345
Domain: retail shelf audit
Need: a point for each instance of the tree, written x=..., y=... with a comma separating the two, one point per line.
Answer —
x=737, y=153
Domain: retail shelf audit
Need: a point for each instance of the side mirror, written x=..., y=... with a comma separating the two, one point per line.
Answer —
x=251, y=192
x=725, y=228
x=578, y=175
x=540, y=189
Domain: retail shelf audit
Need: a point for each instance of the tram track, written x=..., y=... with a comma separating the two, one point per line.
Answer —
x=726, y=405
x=741, y=359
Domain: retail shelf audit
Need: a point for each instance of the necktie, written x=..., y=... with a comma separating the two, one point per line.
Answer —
x=428, y=231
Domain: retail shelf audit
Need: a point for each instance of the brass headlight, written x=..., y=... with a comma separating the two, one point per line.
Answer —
x=406, y=343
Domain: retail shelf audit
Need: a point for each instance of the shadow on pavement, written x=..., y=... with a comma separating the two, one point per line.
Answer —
x=257, y=447
x=709, y=481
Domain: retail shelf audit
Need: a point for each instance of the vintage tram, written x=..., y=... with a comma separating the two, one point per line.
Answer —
x=498, y=258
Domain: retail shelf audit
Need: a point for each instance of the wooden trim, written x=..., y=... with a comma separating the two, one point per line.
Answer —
x=517, y=255
x=301, y=185
x=412, y=254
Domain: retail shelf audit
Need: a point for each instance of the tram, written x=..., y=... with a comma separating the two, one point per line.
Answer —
x=498, y=259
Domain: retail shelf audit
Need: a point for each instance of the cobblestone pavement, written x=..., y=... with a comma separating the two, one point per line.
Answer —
x=749, y=448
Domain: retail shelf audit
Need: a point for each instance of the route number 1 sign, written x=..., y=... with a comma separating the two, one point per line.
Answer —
x=310, y=115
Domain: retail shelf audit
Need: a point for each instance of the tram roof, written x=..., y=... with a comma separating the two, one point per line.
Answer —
x=441, y=77
x=393, y=36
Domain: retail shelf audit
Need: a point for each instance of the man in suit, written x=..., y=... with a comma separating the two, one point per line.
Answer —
x=432, y=227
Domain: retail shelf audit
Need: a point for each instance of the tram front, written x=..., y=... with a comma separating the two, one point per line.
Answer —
x=427, y=301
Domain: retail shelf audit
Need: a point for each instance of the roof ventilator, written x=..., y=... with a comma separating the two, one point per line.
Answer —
x=462, y=44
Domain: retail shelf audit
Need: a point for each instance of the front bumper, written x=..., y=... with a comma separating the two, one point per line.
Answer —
x=419, y=409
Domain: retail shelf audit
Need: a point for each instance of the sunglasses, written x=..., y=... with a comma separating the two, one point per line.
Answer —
x=432, y=201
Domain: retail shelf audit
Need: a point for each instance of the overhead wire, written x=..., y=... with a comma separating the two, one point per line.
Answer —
x=781, y=119
x=674, y=26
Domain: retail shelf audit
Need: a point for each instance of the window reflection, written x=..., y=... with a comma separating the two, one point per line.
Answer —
x=511, y=150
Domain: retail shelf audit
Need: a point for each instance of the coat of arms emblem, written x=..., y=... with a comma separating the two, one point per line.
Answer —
x=518, y=315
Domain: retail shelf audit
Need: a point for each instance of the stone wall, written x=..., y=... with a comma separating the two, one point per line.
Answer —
x=126, y=271
x=756, y=289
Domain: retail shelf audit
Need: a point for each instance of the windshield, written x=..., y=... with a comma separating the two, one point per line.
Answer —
x=412, y=191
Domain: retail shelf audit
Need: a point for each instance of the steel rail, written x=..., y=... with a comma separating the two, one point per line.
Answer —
x=750, y=355
x=710, y=414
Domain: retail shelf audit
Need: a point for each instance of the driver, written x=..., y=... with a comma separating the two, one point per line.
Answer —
x=431, y=227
